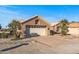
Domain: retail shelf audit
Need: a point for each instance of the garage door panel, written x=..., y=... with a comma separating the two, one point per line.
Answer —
x=39, y=31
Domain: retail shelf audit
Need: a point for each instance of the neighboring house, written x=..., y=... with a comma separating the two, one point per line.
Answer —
x=54, y=26
x=74, y=28
x=35, y=26
x=4, y=31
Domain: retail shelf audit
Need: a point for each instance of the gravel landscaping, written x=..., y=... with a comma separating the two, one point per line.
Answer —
x=55, y=44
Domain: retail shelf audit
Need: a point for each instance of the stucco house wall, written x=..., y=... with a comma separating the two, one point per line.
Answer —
x=73, y=28
x=73, y=31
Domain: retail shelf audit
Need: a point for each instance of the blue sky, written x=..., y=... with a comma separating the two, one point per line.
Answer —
x=51, y=13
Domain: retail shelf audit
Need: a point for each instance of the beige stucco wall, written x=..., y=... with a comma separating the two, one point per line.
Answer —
x=73, y=31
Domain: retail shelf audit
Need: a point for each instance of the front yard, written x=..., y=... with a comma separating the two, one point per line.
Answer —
x=55, y=44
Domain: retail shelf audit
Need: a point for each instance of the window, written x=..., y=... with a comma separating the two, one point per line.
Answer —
x=36, y=21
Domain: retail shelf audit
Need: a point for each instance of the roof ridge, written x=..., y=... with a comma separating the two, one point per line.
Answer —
x=34, y=18
x=30, y=19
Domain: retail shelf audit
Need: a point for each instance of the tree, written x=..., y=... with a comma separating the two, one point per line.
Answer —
x=14, y=26
x=73, y=21
x=0, y=26
x=63, y=26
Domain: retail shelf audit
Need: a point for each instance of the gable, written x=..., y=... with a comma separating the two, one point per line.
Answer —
x=35, y=21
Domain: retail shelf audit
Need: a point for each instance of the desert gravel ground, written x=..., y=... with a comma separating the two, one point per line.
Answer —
x=55, y=44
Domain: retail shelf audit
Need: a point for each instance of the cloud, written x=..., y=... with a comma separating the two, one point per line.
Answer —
x=7, y=14
x=11, y=11
x=5, y=10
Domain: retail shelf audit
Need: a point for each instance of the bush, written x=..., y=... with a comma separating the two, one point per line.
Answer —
x=63, y=27
x=4, y=35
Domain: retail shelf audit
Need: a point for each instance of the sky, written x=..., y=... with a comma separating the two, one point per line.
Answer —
x=50, y=13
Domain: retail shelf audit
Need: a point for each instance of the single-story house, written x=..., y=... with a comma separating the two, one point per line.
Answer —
x=35, y=26
x=73, y=28
x=6, y=31
x=54, y=26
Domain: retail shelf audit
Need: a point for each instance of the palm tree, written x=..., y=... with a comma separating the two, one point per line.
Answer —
x=63, y=26
x=14, y=26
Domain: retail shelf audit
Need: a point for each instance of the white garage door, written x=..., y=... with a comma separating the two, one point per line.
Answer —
x=74, y=31
x=39, y=31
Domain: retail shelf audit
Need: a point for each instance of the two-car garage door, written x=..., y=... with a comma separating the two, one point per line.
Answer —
x=41, y=31
x=38, y=31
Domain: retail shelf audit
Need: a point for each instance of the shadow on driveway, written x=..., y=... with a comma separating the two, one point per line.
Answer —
x=6, y=49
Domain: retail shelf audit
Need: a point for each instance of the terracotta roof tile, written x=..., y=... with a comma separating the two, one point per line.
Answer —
x=74, y=25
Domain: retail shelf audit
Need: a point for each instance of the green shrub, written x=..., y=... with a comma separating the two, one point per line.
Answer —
x=4, y=35
x=63, y=25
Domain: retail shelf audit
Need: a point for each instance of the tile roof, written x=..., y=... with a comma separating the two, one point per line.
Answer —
x=74, y=25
